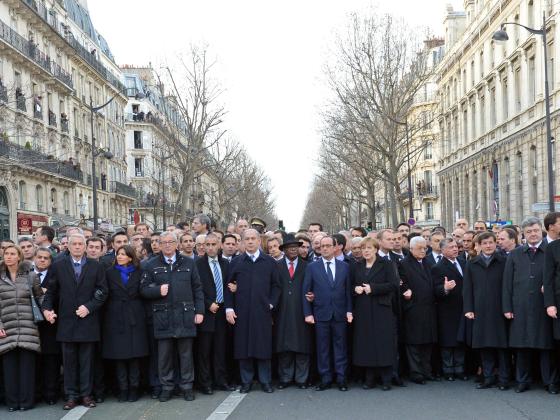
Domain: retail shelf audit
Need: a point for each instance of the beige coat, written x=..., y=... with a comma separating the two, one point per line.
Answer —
x=16, y=315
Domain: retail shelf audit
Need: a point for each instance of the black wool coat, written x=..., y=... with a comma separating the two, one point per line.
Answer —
x=551, y=282
x=125, y=334
x=482, y=294
x=258, y=287
x=419, y=313
x=173, y=314
x=69, y=294
x=47, y=331
x=449, y=308
x=209, y=290
x=374, y=316
x=291, y=332
x=530, y=327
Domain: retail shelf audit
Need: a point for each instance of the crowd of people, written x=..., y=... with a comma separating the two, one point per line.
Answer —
x=86, y=315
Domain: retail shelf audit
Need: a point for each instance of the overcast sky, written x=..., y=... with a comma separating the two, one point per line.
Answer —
x=270, y=59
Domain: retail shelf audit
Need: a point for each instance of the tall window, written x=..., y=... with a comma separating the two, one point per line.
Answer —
x=550, y=52
x=465, y=127
x=505, y=101
x=473, y=76
x=493, y=106
x=482, y=106
x=22, y=194
x=429, y=210
x=517, y=88
x=533, y=165
x=481, y=63
x=428, y=150
x=506, y=201
x=138, y=167
x=39, y=197
x=519, y=170
x=473, y=119
x=530, y=14
x=54, y=201
x=531, y=81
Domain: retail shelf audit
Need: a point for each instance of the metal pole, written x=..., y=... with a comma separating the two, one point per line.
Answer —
x=549, y=141
x=410, y=206
x=163, y=193
x=93, y=180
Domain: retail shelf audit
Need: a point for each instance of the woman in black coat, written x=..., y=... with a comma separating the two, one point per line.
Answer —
x=482, y=303
x=125, y=337
x=375, y=283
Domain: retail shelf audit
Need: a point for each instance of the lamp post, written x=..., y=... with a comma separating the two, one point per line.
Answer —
x=502, y=35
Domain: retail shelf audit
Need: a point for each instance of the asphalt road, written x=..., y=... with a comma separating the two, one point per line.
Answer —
x=442, y=400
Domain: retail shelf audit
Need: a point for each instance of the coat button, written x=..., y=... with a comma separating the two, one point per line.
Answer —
x=289, y=292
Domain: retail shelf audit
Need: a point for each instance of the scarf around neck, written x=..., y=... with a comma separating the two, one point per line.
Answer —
x=125, y=271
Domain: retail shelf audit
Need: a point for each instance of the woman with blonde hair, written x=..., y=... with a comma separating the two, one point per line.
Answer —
x=19, y=335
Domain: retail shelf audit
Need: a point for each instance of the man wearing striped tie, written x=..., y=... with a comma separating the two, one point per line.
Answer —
x=212, y=333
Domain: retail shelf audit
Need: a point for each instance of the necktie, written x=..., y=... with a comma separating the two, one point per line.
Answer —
x=329, y=272
x=438, y=258
x=40, y=277
x=169, y=261
x=291, y=269
x=533, y=251
x=76, y=264
x=458, y=266
x=218, y=282
x=253, y=257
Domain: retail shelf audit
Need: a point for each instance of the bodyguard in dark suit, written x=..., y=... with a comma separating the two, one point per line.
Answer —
x=250, y=308
x=172, y=283
x=293, y=336
x=482, y=303
x=79, y=288
x=329, y=280
x=211, y=341
x=447, y=276
x=48, y=366
x=419, y=312
x=530, y=329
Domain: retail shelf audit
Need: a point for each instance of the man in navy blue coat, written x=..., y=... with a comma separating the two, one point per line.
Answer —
x=328, y=280
x=249, y=309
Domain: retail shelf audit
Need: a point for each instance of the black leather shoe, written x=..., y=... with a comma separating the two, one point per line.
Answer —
x=99, y=398
x=155, y=392
x=386, y=387
x=522, y=388
x=225, y=387
x=485, y=385
x=245, y=388
x=51, y=402
x=123, y=395
x=322, y=386
x=133, y=395
x=450, y=378
x=398, y=382
x=302, y=385
x=419, y=381
x=206, y=390
x=267, y=388
x=433, y=378
x=343, y=386
x=283, y=385
x=552, y=389
x=463, y=377
x=188, y=395
x=12, y=409
x=503, y=387
x=164, y=395
x=368, y=385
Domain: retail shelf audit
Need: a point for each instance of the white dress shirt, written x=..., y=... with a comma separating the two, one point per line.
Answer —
x=294, y=262
x=255, y=255
x=332, y=266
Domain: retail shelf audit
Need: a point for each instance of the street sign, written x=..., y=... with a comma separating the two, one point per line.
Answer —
x=411, y=222
x=557, y=198
x=543, y=207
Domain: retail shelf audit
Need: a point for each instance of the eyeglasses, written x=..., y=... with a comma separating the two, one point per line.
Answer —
x=167, y=242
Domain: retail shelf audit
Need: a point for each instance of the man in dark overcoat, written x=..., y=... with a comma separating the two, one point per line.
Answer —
x=292, y=334
x=530, y=329
x=79, y=287
x=482, y=303
x=249, y=309
x=211, y=342
x=447, y=276
x=419, y=312
x=172, y=283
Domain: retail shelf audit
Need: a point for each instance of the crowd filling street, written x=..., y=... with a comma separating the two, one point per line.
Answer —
x=193, y=309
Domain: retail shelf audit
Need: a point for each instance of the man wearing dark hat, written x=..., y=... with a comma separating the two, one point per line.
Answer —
x=258, y=224
x=292, y=335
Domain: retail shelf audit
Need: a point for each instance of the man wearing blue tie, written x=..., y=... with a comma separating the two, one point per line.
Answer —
x=329, y=281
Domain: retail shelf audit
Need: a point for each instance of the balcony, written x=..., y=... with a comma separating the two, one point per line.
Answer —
x=20, y=102
x=3, y=93
x=150, y=201
x=29, y=49
x=123, y=189
x=52, y=119
x=64, y=124
x=150, y=118
x=427, y=191
x=36, y=160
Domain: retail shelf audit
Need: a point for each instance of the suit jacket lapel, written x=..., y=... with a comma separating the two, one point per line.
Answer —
x=85, y=268
x=453, y=267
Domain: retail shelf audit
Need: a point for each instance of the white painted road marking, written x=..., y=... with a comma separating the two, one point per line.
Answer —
x=227, y=406
x=76, y=413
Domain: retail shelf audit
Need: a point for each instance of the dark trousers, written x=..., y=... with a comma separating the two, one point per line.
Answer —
x=247, y=370
x=153, y=371
x=211, y=354
x=453, y=360
x=77, y=359
x=293, y=367
x=98, y=371
x=385, y=372
x=524, y=357
x=19, y=377
x=128, y=373
x=168, y=348
x=495, y=359
x=331, y=333
x=419, y=360
x=48, y=376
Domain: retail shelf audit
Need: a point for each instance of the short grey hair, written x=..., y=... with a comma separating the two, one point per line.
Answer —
x=204, y=220
x=417, y=240
x=445, y=242
x=75, y=236
x=166, y=234
x=530, y=221
x=200, y=239
x=44, y=249
x=246, y=231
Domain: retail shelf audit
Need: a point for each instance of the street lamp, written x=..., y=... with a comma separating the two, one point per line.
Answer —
x=502, y=35
x=94, y=153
